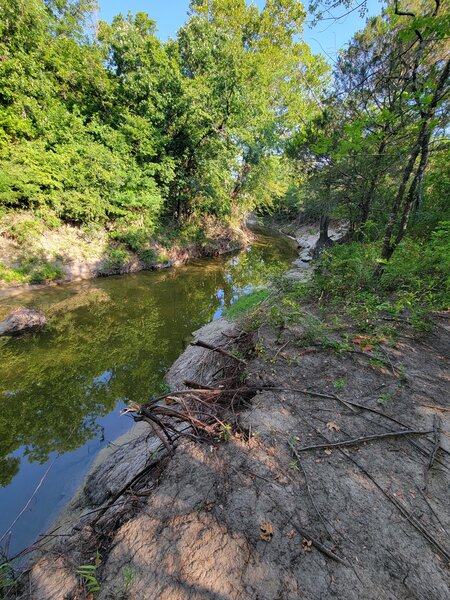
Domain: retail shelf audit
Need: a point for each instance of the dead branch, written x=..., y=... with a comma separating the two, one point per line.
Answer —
x=202, y=344
x=192, y=384
x=404, y=511
x=436, y=444
x=308, y=489
x=363, y=440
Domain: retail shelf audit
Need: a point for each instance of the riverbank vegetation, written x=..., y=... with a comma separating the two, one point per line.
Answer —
x=105, y=128
x=136, y=145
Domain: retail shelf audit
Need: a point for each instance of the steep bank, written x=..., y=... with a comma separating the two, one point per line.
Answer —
x=252, y=515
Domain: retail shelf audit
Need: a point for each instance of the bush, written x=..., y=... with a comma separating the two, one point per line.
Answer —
x=46, y=272
x=416, y=279
x=117, y=258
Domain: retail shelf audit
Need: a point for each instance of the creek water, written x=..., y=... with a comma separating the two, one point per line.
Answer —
x=108, y=341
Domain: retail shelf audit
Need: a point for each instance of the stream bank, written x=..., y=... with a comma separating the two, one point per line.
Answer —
x=40, y=256
x=293, y=501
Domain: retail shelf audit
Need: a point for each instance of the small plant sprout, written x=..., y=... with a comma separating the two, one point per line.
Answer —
x=339, y=384
x=225, y=432
x=89, y=575
x=273, y=434
x=128, y=575
x=293, y=440
x=293, y=466
x=385, y=398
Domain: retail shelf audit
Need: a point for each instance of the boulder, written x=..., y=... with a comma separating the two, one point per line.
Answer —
x=22, y=320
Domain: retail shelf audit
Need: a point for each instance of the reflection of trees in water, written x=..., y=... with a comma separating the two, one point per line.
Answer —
x=108, y=343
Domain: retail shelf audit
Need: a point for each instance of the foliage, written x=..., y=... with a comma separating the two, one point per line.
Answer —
x=118, y=128
x=89, y=575
x=415, y=280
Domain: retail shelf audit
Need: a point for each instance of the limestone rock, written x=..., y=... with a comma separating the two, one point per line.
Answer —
x=22, y=320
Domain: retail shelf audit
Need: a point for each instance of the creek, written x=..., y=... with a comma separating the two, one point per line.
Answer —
x=109, y=341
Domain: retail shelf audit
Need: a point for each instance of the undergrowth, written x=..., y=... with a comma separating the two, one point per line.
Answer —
x=414, y=282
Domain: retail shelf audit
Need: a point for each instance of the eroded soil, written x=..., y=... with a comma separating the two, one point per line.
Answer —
x=255, y=516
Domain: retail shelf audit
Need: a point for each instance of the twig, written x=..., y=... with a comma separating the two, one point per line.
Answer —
x=192, y=384
x=439, y=408
x=416, y=524
x=404, y=511
x=202, y=344
x=363, y=440
x=308, y=489
x=436, y=444
x=275, y=356
x=308, y=393
x=301, y=531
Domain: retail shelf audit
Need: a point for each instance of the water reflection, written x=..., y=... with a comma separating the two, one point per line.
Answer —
x=108, y=341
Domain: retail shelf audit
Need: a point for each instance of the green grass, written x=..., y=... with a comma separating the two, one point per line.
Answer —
x=31, y=271
x=245, y=304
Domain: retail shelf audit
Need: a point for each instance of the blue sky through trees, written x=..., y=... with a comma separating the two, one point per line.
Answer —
x=325, y=38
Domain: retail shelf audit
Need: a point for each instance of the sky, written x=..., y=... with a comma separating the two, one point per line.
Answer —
x=325, y=38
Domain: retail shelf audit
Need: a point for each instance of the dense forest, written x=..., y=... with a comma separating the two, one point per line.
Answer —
x=103, y=127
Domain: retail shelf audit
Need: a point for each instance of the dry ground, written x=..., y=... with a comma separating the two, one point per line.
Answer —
x=255, y=516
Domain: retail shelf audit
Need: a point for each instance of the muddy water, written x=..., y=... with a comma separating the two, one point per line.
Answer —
x=108, y=341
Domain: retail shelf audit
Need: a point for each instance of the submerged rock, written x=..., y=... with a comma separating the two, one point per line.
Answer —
x=22, y=320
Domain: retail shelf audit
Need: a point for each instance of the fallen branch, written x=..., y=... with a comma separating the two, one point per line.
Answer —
x=416, y=524
x=202, y=344
x=436, y=444
x=404, y=511
x=192, y=384
x=308, y=489
x=438, y=408
x=363, y=440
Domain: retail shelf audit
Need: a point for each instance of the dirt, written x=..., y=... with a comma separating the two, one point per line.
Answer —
x=250, y=515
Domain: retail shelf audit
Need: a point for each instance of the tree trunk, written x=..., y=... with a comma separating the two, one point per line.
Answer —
x=324, y=240
x=390, y=243
x=368, y=198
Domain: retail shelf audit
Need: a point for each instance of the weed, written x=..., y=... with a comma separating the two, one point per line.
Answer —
x=402, y=374
x=339, y=384
x=273, y=431
x=46, y=272
x=293, y=466
x=8, y=583
x=385, y=398
x=89, y=575
x=376, y=363
x=148, y=256
x=116, y=258
x=128, y=576
x=259, y=350
x=163, y=259
x=225, y=432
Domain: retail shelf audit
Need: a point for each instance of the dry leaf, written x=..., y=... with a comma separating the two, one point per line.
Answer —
x=266, y=532
x=367, y=348
x=291, y=534
x=307, y=545
x=209, y=505
x=328, y=451
x=332, y=425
